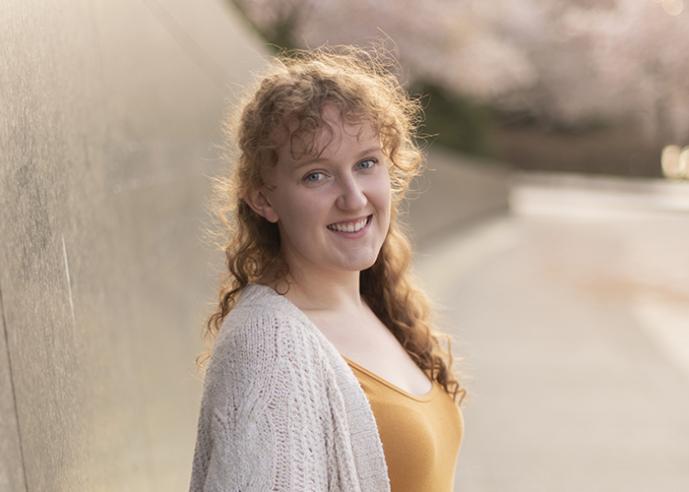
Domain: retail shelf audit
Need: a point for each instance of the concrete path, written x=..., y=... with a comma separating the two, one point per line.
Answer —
x=575, y=337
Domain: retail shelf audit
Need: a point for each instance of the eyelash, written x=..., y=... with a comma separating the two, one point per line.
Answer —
x=306, y=180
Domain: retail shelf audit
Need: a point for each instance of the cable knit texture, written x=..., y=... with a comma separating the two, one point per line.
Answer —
x=281, y=409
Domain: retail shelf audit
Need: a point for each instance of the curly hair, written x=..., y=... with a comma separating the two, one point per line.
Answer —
x=363, y=86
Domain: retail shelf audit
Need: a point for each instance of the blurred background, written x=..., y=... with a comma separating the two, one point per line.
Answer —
x=551, y=227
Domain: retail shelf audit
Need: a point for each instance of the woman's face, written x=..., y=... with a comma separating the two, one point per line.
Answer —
x=347, y=188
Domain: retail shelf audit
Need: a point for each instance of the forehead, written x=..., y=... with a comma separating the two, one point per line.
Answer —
x=335, y=135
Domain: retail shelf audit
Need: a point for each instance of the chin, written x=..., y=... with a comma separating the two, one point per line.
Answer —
x=361, y=265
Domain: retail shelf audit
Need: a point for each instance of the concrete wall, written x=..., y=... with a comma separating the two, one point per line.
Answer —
x=109, y=120
x=455, y=193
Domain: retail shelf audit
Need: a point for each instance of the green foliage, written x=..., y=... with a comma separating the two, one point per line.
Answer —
x=454, y=121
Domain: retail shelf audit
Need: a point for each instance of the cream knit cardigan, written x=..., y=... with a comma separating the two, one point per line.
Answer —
x=281, y=409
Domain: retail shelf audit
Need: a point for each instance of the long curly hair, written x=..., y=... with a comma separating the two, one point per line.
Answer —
x=363, y=86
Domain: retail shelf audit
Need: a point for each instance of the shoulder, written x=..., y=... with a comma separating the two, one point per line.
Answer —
x=262, y=322
x=264, y=333
x=264, y=357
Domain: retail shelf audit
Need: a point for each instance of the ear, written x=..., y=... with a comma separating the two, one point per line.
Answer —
x=256, y=199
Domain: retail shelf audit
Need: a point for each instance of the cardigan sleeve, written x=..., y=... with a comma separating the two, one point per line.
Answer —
x=263, y=423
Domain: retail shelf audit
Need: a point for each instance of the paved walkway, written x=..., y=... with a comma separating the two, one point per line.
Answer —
x=575, y=333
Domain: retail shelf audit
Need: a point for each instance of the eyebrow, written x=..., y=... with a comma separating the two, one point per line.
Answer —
x=323, y=159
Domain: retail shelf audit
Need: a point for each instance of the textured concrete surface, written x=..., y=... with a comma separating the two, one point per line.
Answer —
x=574, y=335
x=109, y=125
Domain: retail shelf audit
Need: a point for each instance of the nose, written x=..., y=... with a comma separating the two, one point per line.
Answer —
x=351, y=194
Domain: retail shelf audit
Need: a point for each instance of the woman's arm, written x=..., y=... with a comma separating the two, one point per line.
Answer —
x=263, y=423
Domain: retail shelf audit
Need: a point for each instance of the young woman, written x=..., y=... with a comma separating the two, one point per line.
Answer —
x=325, y=373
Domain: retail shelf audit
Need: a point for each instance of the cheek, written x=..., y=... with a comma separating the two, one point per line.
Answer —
x=302, y=212
x=383, y=191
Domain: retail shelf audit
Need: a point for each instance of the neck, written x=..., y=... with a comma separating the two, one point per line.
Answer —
x=320, y=293
x=331, y=291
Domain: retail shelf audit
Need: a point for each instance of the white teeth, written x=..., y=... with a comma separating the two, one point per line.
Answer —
x=349, y=227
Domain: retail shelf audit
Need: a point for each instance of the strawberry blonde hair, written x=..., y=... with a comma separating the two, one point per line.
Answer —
x=362, y=85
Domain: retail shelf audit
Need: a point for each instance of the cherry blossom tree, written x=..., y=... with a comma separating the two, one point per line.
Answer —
x=565, y=62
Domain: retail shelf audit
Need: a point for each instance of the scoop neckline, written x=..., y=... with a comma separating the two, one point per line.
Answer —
x=422, y=398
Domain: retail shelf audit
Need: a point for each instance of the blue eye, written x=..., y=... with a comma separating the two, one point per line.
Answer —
x=306, y=178
x=374, y=161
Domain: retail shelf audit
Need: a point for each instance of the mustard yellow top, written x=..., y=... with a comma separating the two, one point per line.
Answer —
x=421, y=435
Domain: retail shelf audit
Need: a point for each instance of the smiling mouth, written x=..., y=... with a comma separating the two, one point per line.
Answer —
x=351, y=227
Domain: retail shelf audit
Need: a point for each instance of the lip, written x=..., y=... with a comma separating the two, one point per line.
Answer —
x=357, y=234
